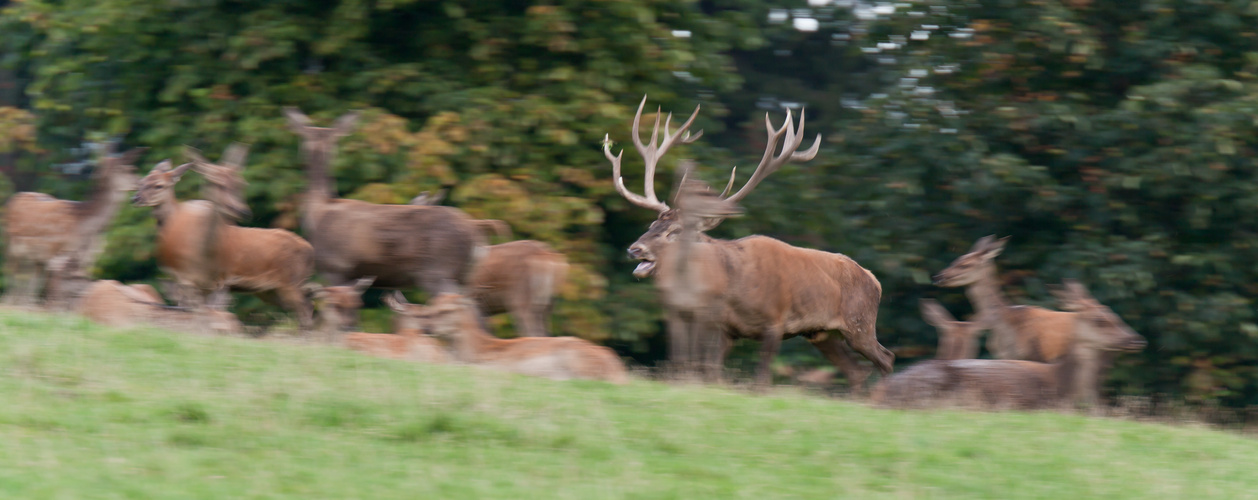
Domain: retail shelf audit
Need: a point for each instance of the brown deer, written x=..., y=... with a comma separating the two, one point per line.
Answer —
x=111, y=303
x=200, y=247
x=45, y=233
x=452, y=319
x=431, y=247
x=1002, y=383
x=1017, y=332
x=337, y=306
x=489, y=226
x=957, y=339
x=520, y=277
x=755, y=287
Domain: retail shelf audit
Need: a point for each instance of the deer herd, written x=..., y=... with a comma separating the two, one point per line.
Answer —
x=714, y=291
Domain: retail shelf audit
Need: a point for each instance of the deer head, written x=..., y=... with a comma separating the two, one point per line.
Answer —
x=443, y=317
x=666, y=226
x=339, y=305
x=226, y=184
x=158, y=186
x=119, y=170
x=972, y=266
x=1097, y=326
x=957, y=339
x=318, y=144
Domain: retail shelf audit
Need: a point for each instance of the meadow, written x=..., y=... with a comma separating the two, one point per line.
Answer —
x=92, y=412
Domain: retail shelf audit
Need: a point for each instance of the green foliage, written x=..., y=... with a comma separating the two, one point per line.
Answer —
x=1110, y=140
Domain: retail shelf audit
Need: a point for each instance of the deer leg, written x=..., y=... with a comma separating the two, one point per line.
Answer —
x=864, y=341
x=709, y=348
x=769, y=345
x=678, y=342
x=840, y=354
x=293, y=299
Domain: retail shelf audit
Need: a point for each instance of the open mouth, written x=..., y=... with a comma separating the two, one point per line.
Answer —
x=644, y=269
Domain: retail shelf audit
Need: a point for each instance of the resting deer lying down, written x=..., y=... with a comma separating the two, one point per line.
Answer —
x=338, y=307
x=1000, y=383
x=111, y=303
x=452, y=319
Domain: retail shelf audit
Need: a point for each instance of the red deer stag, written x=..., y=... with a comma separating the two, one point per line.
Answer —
x=452, y=319
x=957, y=339
x=755, y=287
x=1017, y=332
x=199, y=246
x=431, y=247
x=112, y=303
x=1002, y=383
x=520, y=277
x=47, y=234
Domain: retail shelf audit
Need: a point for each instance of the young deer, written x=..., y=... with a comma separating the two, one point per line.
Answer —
x=46, y=234
x=404, y=246
x=199, y=244
x=957, y=339
x=1017, y=332
x=452, y=319
x=111, y=303
x=338, y=308
x=755, y=287
x=1000, y=383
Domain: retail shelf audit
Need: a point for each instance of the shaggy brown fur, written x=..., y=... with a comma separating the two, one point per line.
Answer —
x=202, y=250
x=452, y=319
x=1002, y=384
x=112, y=303
x=431, y=247
x=47, y=234
x=1017, y=332
x=520, y=277
x=756, y=287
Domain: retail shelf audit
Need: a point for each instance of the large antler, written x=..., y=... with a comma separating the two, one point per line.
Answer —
x=650, y=155
x=770, y=163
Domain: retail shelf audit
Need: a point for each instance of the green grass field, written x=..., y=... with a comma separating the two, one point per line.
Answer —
x=90, y=412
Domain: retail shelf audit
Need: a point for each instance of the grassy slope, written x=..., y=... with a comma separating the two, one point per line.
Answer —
x=89, y=412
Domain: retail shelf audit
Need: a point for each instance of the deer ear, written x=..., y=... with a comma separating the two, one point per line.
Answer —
x=363, y=284
x=344, y=125
x=396, y=301
x=1066, y=295
x=995, y=247
x=179, y=171
x=935, y=314
x=297, y=121
x=163, y=166
x=235, y=155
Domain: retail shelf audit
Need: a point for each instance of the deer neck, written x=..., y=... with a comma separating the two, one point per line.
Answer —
x=1077, y=375
x=319, y=191
x=985, y=294
x=101, y=206
x=166, y=208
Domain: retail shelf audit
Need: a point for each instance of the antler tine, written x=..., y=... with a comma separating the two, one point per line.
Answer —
x=620, y=181
x=730, y=185
x=770, y=163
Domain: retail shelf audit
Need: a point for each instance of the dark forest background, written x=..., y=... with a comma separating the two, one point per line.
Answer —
x=1114, y=141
